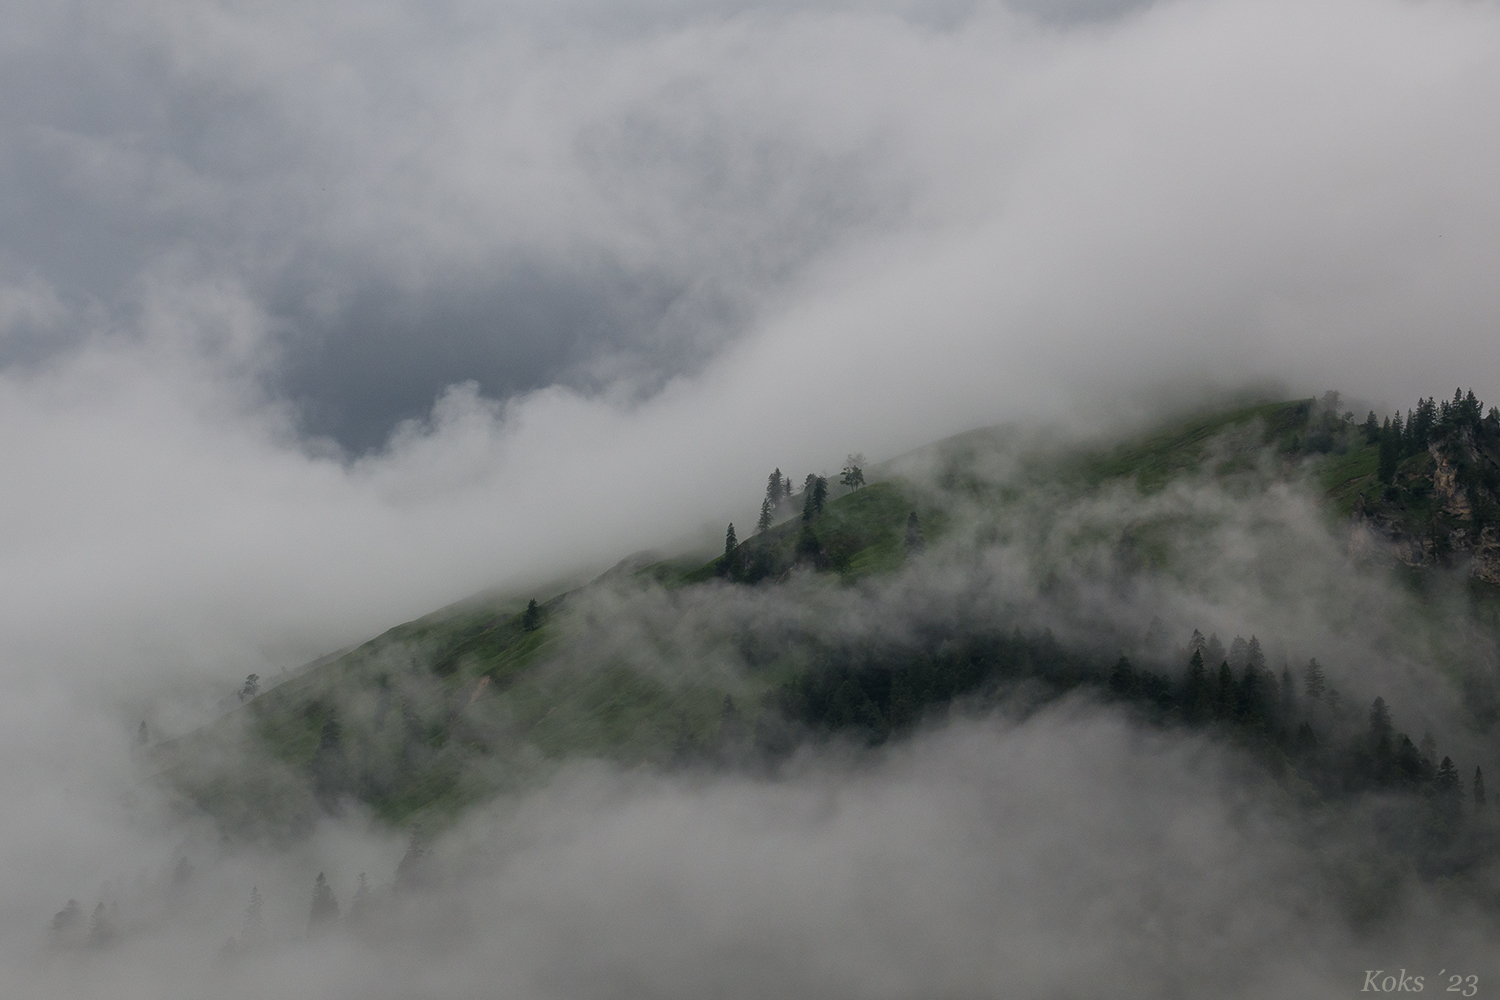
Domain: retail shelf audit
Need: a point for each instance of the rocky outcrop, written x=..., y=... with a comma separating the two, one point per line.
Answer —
x=1386, y=529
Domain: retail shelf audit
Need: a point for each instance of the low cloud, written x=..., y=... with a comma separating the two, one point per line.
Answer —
x=314, y=320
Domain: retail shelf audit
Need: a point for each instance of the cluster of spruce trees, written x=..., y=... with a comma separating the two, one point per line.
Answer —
x=1434, y=422
x=1311, y=738
x=108, y=925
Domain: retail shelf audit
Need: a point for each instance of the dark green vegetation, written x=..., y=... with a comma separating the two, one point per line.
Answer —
x=739, y=660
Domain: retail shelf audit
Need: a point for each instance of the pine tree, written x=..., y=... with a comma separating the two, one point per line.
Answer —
x=1196, y=695
x=1447, y=781
x=820, y=495
x=1288, y=692
x=409, y=873
x=531, y=620
x=1196, y=644
x=1380, y=722
x=807, y=496
x=1224, y=695
x=774, y=489
x=1312, y=680
x=1428, y=747
x=1213, y=652
x=731, y=552
x=914, y=541
x=252, y=917
x=359, y=907
x=767, y=516
x=325, y=908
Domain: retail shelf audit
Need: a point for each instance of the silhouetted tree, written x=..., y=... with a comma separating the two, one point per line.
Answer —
x=359, y=906
x=1214, y=652
x=325, y=909
x=814, y=496
x=1196, y=698
x=1380, y=722
x=67, y=918
x=1224, y=692
x=410, y=872
x=252, y=931
x=101, y=927
x=1312, y=680
x=914, y=541
x=1254, y=655
x=251, y=688
x=854, y=476
x=767, y=516
x=531, y=619
x=730, y=544
x=776, y=489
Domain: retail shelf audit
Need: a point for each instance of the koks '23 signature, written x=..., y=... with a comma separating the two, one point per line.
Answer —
x=1380, y=981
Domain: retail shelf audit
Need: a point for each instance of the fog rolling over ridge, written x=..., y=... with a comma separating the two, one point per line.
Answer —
x=1045, y=842
x=313, y=321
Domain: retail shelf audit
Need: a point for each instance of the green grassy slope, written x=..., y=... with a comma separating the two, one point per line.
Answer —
x=454, y=707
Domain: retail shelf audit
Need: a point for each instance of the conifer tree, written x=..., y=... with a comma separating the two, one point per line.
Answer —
x=359, y=907
x=731, y=552
x=531, y=620
x=1447, y=781
x=1288, y=692
x=1380, y=722
x=1196, y=697
x=767, y=516
x=774, y=488
x=1254, y=655
x=1312, y=680
x=1224, y=695
x=1214, y=651
x=252, y=918
x=325, y=908
x=410, y=870
x=914, y=541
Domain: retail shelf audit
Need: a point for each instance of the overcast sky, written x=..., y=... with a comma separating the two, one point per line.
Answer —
x=317, y=316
